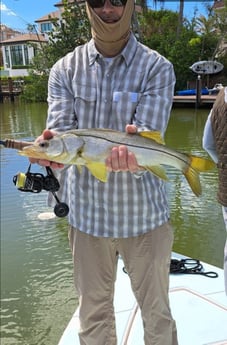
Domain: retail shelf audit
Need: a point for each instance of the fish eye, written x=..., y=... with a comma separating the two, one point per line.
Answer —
x=44, y=144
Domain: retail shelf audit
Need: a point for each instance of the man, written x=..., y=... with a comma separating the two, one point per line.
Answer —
x=115, y=82
x=215, y=143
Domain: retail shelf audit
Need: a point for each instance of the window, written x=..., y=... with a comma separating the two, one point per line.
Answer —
x=7, y=56
x=16, y=55
x=26, y=58
x=46, y=27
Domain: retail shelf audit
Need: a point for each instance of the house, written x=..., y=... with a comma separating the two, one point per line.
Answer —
x=5, y=34
x=45, y=23
x=18, y=51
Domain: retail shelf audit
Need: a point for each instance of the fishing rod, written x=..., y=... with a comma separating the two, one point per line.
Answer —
x=36, y=182
x=15, y=144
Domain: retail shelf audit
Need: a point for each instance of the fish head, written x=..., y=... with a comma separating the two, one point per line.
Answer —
x=63, y=148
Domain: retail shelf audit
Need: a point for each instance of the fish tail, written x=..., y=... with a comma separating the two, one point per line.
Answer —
x=201, y=164
x=197, y=165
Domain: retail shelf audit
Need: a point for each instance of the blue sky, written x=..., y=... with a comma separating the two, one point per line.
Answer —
x=17, y=14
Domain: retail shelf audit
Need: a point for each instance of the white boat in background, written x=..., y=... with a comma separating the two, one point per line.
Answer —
x=207, y=67
x=198, y=303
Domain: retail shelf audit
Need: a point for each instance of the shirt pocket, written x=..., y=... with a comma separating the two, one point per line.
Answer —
x=85, y=99
x=124, y=106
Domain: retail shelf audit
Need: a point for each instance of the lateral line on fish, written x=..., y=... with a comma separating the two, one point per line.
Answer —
x=132, y=145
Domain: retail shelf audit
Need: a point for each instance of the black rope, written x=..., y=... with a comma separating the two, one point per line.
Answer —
x=189, y=266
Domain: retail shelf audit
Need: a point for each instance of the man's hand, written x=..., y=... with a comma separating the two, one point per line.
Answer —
x=121, y=159
x=46, y=135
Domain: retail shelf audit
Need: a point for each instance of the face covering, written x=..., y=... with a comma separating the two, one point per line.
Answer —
x=110, y=38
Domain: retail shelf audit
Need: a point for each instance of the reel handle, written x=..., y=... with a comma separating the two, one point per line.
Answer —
x=61, y=209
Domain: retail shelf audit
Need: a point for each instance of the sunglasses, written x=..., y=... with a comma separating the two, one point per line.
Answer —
x=100, y=3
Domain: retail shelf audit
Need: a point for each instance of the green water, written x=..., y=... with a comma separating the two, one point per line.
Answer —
x=37, y=293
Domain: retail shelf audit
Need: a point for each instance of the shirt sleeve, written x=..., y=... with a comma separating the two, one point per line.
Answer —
x=208, y=141
x=61, y=115
x=155, y=105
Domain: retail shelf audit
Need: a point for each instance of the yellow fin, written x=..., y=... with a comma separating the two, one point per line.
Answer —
x=192, y=176
x=197, y=164
x=154, y=135
x=157, y=171
x=201, y=164
x=98, y=170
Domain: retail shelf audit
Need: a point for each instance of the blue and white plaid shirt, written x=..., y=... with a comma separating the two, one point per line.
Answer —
x=87, y=90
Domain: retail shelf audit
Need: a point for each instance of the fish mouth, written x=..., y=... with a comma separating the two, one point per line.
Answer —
x=28, y=151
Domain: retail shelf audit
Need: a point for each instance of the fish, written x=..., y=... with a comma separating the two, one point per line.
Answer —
x=91, y=147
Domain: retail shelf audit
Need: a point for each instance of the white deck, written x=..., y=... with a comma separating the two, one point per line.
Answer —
x=198, y=304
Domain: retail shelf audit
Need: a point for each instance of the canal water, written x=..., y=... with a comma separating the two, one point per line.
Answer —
x=37, y=293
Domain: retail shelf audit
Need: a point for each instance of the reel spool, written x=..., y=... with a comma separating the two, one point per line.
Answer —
x=36, y=182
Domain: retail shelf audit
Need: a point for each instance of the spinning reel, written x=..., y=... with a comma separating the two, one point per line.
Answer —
x=35, y=183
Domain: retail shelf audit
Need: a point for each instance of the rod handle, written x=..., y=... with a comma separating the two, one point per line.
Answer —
x=14, y=144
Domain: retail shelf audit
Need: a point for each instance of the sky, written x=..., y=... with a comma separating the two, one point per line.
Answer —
x=17, y=14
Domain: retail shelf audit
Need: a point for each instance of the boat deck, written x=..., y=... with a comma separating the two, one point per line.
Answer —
x=198, y=304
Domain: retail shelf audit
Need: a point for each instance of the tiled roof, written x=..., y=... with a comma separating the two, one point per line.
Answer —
x=48, y=16
x=218, y=4
x=25, y=38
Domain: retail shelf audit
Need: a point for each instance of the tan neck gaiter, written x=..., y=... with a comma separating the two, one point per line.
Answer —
x=110, y=38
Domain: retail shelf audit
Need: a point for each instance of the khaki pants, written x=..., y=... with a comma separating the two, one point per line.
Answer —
x=146, y=259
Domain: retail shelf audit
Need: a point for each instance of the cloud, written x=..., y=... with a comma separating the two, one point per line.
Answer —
x=5, y=10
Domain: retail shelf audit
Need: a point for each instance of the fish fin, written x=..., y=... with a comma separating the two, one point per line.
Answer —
x=192, y=176
x=98, y=170
x=197, y=164
x=201, y=164
x=157, y=171
x=153, y=135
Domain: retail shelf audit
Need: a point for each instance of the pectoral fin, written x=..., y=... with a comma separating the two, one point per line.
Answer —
x=98, y=170
x=157, y=171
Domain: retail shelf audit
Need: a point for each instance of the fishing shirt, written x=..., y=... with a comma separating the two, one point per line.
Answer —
x=87, y=90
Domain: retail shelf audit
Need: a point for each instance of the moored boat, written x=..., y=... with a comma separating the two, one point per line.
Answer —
x=192, y=92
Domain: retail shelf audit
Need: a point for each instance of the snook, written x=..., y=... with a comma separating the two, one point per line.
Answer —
x=90, y=148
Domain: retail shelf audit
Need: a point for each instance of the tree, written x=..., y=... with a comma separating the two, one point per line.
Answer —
x=159, y=32
x=180, y=15
x=72, y=30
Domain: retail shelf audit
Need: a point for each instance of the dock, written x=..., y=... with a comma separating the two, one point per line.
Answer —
x=9, y=89
x=190, y=101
